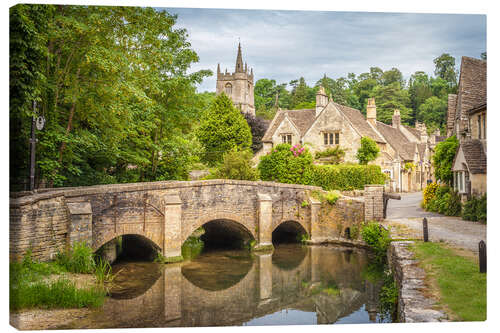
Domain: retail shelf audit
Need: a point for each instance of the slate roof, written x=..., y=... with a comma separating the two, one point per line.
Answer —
x=302, y=119
x=474, y=156
x=421, y=150
x=472, y=85
x=413, y=131
x=397, y=140
x=452, y=108
x=359, y=122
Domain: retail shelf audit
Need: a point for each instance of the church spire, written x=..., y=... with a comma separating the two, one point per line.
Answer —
x=239, y=61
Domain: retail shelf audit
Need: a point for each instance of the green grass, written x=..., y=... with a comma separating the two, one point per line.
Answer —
x=59, y=294
x=461, y=287
x=29, y=288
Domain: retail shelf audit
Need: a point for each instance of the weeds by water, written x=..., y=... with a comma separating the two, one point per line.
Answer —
x=28, y=288
x=192, y=248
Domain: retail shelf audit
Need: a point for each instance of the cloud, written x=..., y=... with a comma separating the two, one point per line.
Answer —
x=285, y=45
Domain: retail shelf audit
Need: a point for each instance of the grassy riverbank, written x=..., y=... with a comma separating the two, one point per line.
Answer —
x=455, y=280
x=54, y=284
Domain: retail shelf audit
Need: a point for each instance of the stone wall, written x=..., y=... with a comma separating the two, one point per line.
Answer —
x=41, y=226
x=374, y=202
x=335, y=219
x=413, y=306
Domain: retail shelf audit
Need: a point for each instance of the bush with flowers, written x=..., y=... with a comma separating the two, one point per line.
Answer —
x=286, y=164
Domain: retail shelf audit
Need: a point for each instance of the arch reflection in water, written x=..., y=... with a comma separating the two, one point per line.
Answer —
x=319, y=284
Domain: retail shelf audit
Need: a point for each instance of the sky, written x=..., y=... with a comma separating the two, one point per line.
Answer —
x=285, y=45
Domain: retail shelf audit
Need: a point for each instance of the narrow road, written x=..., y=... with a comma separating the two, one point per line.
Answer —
x=405, y=219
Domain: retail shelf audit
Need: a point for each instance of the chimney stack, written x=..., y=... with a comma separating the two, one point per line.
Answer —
x=396, y=119
x=371, y=112
x=321, y=100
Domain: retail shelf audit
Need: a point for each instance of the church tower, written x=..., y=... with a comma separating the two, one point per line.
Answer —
x=238, y=85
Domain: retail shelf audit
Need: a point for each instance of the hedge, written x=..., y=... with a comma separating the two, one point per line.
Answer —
x=344, y=177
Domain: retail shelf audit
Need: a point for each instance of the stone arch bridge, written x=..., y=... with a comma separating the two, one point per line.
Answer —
x=166, y=213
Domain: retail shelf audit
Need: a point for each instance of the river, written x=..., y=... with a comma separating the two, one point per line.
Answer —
x=295, y=285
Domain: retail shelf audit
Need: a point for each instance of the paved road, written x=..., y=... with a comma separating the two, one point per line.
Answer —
x=405, y=218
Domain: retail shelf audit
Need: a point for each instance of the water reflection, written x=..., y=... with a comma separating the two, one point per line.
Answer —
x=294, y=285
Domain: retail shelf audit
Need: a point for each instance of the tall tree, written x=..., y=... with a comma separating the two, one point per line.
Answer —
x=445, y=69
x=222, y=129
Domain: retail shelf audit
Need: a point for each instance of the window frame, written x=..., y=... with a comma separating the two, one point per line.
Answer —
x=286, y=138
x=331, y=138
x=230, y=86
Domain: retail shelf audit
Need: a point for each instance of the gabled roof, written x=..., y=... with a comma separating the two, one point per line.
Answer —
x=413, y=131
x=471, y=86
x=301, y=119
x=359, y=122
x=474, y=156
x=397, y=140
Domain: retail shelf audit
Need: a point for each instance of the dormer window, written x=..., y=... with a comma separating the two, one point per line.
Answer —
x=229, y=89
x=286, y=138
x=330, y=138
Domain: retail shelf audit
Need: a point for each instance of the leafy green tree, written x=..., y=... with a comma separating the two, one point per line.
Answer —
x=393, y=75
x=116, y=93
x=445, y=69
x=237, y=165
x=368, y=151
x=302, y=94
x=391, y=97
x=443, y=159
x=483, y=55
x=433, y=112
x=222, y=129
x=419, y=89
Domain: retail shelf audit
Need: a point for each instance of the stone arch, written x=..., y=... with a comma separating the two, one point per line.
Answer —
x=109, y=237
x=290, y=226
x=247, y=226
x=303, y=224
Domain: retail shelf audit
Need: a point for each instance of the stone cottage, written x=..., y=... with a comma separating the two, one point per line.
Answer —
x=404, y=151
x=467, y=121
x=238, y=85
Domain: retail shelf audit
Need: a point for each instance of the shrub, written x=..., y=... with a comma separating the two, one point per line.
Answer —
x=344, y=177
x=475, y=209
x=337, y=155
x=192, y=247
x=443, y=158
x=368, y=151
x=377, y=238
x=331, y=197
x=237, y=165
x=429, y=193
x=286, y=164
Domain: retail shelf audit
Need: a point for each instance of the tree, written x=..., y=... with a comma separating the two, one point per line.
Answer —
x=433, y=112
x=483, y=55
x=237, y=165
x=443, y=159
x=116, y=94
x=222, y=129
x=391, y=76
x=445, y=69
x=419, y=89
x=389, y=98
x=258, y=127
x=368, y=151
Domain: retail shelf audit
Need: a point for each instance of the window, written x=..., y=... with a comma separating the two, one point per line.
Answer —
x=328, y=138
x=286, y=138
x=479, y=127
x=484, y=126
x=229, y=89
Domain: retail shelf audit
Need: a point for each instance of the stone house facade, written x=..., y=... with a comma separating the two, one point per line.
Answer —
x=405, y=152
x=466, y=120
x=238, y=85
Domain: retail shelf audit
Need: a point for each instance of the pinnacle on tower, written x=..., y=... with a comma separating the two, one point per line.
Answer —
x=218, y=68
x=239, y=61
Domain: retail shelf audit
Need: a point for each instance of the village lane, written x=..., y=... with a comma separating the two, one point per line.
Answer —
x=405, y=219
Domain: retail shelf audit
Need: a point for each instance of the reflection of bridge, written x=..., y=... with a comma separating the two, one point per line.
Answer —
x=165, y=213
x=174, y=300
